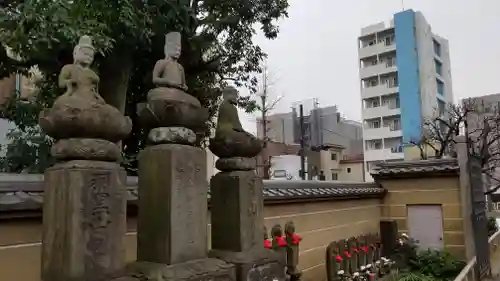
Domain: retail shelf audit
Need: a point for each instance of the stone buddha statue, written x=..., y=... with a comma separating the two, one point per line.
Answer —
x=81, y=113
x=169, y=109
x=168, y=72
x=78, y=79
x=230, y=139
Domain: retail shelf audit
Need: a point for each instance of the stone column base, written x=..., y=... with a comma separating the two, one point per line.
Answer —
x=254, y=265
x=84, y=221
x=196, y=270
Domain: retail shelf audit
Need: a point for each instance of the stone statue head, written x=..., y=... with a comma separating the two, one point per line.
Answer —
x=276, y=230
x=173, y=45
x=290, y=227
x=83, y=53
x=230, y=94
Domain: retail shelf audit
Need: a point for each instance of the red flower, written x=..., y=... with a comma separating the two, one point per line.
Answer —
x=281, y=241
x=268, y=244
x=338, y=258
x=356, y=250
x=365, y=249
x=347, y=254
x=295, y=239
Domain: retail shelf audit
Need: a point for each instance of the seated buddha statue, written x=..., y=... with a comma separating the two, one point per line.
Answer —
x=169, y=104
x=78, y=78
x=230, y=139
x=81, y=112
x=168, y=73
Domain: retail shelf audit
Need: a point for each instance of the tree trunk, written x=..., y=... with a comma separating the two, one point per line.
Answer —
x=114, y=74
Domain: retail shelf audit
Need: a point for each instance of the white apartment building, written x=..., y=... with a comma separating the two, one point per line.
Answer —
x=405, y=76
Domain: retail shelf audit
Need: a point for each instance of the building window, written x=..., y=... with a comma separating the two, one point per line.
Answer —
x=348, y=170
x=333, y=156
x=334, y=176
x=437, y=47
x=440, y=87
x=375, y=124
x=439, y=67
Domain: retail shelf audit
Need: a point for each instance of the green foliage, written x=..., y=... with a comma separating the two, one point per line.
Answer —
x=129, y=37
x=439, y=265
x=27, y=152
x=406, y=250
x=492, y=226
x=411, y=276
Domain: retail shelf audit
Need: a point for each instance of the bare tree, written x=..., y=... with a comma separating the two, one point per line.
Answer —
x=483, y=129
x=267, y=104
x=481, y=125
x=438, y=132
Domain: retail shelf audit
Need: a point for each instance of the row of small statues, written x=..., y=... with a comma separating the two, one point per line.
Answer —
x=81, y=112
x=82, y=83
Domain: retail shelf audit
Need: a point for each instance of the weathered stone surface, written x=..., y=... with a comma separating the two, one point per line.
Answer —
x=172, y=113
x=166, y=95
x=236, y=211
x=84, y=221
x=239, y=144
x=235, y=164
x=172, y=222
x=237, y=220
x=254, y=265
x=75, y=117
x=207, y=269
x=230, y=139
x=178, y=135
x=85, y=149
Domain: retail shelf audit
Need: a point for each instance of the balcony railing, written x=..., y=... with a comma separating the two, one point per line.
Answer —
x=398, y=149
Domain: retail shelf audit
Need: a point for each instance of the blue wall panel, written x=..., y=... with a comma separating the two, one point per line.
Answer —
x=408, y=75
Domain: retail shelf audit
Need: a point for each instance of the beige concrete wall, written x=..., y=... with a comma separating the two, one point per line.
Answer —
x=444, y=191
x=357, y=173
x=318, y=223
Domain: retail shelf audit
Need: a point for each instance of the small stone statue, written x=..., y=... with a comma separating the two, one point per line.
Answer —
x=292, y=251
x=230, y=140
x=171, y=114
x=78, y=78
x=168, y=72
x=84, y=126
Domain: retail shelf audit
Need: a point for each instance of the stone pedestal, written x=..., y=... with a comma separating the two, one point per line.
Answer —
x=237, y=221
x=84, y=221
x=172, y=222
x=195, y=270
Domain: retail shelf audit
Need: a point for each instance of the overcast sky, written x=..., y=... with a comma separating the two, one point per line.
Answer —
x=315, y=54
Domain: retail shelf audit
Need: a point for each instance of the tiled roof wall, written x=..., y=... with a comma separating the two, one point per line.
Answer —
x=18, y=194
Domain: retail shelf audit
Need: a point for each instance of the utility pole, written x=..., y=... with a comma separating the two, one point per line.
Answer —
x=302, y=143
